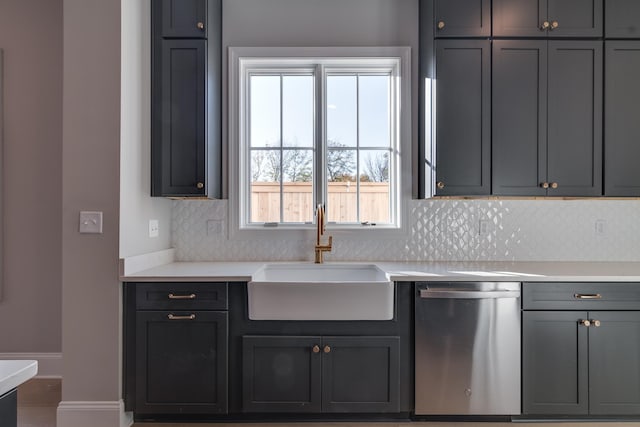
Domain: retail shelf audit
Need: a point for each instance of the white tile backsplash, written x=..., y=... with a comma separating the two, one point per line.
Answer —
x=447, y=230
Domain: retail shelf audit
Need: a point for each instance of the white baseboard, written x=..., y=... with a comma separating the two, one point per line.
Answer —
x=94, y=414
x=49, y=364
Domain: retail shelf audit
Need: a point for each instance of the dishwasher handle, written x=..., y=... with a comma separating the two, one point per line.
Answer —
x=439, y=294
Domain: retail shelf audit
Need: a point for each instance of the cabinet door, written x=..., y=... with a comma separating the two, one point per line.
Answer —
x=575, y=18
x=614, y=363
x=622, y=19
x=519, y=121
x=178, y=129
x=574, y=145
x=463, y=18
x=622, y=127
x=181, y=362
x=182, y=18
x=281, y=374
x=463, y=124
x=554, y=363
x=360, y=374
x=519, y=18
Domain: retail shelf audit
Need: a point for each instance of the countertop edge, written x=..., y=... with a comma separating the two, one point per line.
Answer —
x=18, y=372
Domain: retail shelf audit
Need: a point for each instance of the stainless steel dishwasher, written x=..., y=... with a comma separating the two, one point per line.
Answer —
x=467, y=348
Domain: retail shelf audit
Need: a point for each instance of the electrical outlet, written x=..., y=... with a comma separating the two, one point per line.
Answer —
x=601, y=227
x=484, y=227
x=154, y=228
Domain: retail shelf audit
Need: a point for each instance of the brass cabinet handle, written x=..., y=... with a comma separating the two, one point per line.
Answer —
x=545, y=25
x=596, y=323
x=200, y=186
x=327, y=349
x=440, y=25
x=189, y=317
x=584, y=322
x=316, y=349
x=554, y=185
x=554, y=25
x=200, y=25
x=587, y=296
x=440, y=185
x=190, y=296
x=544, y=184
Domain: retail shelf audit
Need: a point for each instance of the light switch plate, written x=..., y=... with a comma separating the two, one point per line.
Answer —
x=90, y=222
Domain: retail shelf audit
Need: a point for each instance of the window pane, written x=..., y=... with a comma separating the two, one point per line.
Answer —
x=374, y=186
x=298, y=185
x=265, y=111
x=374, y=111
x=342, y=188
x=342, y=111
x=265, y=186
x=297, y=111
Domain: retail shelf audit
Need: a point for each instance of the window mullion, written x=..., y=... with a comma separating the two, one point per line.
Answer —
x=281, y=150
x=358, y=219
x=320, y=137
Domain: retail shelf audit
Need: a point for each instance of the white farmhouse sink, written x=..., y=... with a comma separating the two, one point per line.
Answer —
x=320, y=292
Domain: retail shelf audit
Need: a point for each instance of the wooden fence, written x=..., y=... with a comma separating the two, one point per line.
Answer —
x=299, y=207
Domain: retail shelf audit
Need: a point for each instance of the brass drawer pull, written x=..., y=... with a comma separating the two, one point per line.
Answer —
x=554, y=25
x=189, y=317
x=200, y=25
x=587, y=296
x=327, y=349
x=585, y=322
x=544, y=26
x=441, y=25
x=316, y=349
x=595, y=323
x=190, y=296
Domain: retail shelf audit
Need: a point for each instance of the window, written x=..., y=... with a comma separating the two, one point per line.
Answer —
x=308, y=130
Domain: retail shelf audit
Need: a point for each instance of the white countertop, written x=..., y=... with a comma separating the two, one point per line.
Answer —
x=411, y=271
x=15, y=372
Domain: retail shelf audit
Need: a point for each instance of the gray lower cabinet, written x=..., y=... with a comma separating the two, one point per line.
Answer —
x=463, y=117
x=581, y=362
x=622, y=127
x=320, y=374
x=176, y=348
x=547, y=18
x=462, y=18
x=547, y=118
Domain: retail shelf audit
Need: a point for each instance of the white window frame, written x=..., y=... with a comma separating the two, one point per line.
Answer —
x=243, y=60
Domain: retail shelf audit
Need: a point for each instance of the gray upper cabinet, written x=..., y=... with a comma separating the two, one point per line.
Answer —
x=622, y=127
x=547, y=118
x=547, y=18
x=622, y=19
x=463, y=117
x=185, y=98
x=462, y=18
x=184, y=18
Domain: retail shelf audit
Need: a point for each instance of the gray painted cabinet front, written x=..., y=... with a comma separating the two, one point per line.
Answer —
x=555, y=376
x=463, y=117
x=547, y=18
x=462, y=18
x=313, y=374
x=184, y=18
x=622, y=126
x=547, y=118
x=622, y=19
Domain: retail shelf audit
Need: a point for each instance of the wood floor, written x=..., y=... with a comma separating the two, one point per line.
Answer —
x=39, y=398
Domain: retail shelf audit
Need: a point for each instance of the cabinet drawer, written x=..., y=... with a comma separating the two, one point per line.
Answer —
x=581, y=296
x=181, y=296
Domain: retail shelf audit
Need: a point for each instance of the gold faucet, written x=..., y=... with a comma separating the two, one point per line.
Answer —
x=319, y=249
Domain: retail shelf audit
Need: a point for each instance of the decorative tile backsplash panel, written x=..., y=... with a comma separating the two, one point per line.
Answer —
x=440, y=230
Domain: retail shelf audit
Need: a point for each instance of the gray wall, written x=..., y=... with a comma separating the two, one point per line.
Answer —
x=31, y=37
x=320, y=23
x=90, y=181
x=136, y=206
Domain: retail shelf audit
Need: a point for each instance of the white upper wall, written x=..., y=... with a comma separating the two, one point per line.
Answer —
x=136, y=206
